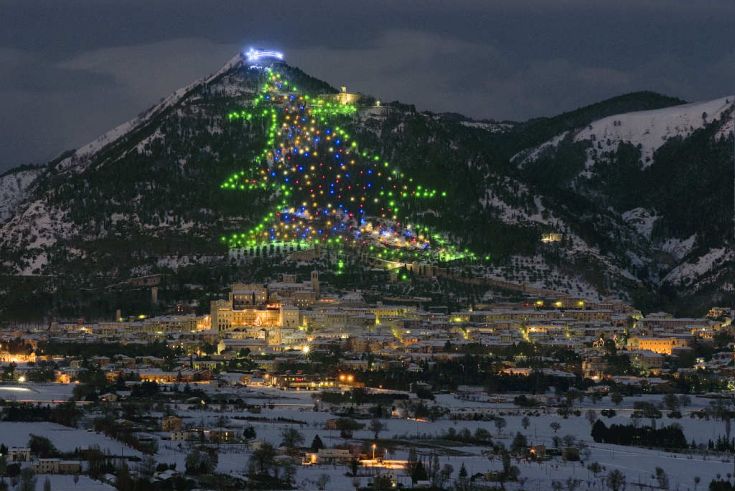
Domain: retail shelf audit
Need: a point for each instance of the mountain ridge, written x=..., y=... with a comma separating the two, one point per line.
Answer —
x=149, y=189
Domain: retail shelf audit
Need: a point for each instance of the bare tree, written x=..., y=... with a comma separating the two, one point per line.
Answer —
x=376, y=426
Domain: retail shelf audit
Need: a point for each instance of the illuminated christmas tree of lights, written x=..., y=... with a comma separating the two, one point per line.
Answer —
x=327, y=190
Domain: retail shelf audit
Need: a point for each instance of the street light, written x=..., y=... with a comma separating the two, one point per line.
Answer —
x=374, y=447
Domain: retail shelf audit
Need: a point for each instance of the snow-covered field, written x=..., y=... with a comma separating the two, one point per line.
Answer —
x=639, y=464
x=295, y=409
x=36, y=392
x=14, y=434
x=63, y=483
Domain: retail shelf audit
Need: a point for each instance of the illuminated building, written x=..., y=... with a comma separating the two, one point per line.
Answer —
x=225, y=317
x=550, y=238
x=264, y=308
x=663, y=346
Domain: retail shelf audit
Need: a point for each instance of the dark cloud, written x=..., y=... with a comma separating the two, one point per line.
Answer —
x=23, y=71
x=72, y=70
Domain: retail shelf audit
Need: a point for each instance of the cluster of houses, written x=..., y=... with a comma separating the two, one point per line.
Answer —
x=281, y=322
x=19, y=455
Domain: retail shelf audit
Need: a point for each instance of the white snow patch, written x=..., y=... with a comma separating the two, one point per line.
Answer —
x=533, y=154
x=642, y=220
x=488, y=126
x=13, y=187
x=679, y=248
x=698, y=267
x=81, y=157
x=651, y=129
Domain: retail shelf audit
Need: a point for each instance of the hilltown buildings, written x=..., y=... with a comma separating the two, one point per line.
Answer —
x=280, y=322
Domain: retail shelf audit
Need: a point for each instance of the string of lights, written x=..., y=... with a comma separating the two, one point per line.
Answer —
x=327, y=189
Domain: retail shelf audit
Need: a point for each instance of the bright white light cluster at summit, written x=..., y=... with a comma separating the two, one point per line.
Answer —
x=254, y=55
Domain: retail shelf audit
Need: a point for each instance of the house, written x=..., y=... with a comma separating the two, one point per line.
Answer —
x=664, y=345
x=109, y=397
x=647, y=360
x=183, y=435
x=57, y=466
x=221, y=435
x=171, y=423
x=594, y=367
x=537, y=452
x=19, y=454
x=328, y=456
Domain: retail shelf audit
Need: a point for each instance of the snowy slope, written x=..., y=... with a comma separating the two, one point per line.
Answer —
x=80, y=158
x=13, y=187
x=32, y=226
x=651, y=129
x=492, y=127
x=641, y=219
x=73, y=217
x=697, y=268
x=647, y=129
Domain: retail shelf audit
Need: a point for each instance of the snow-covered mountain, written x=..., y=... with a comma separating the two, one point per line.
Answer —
x=145, y=198
x=649, y=130
x=667, y=174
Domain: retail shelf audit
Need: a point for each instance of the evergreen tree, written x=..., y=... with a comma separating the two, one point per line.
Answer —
x=263, y=459
x=599, y=431
x=123, y=481
x=519, y=444
x=316, y=444
x=291, y=438
x=462, y=479
x=418, y=472
x=249, y=433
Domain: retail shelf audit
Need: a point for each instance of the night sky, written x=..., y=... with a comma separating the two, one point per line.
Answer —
x=71, y=70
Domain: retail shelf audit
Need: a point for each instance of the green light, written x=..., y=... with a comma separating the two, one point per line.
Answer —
x=271, y=108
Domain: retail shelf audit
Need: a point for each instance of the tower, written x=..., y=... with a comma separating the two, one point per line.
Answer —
x=315, y=282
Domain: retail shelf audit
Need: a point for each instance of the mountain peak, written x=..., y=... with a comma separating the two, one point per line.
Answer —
x=76, y=160
x=145, y=198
